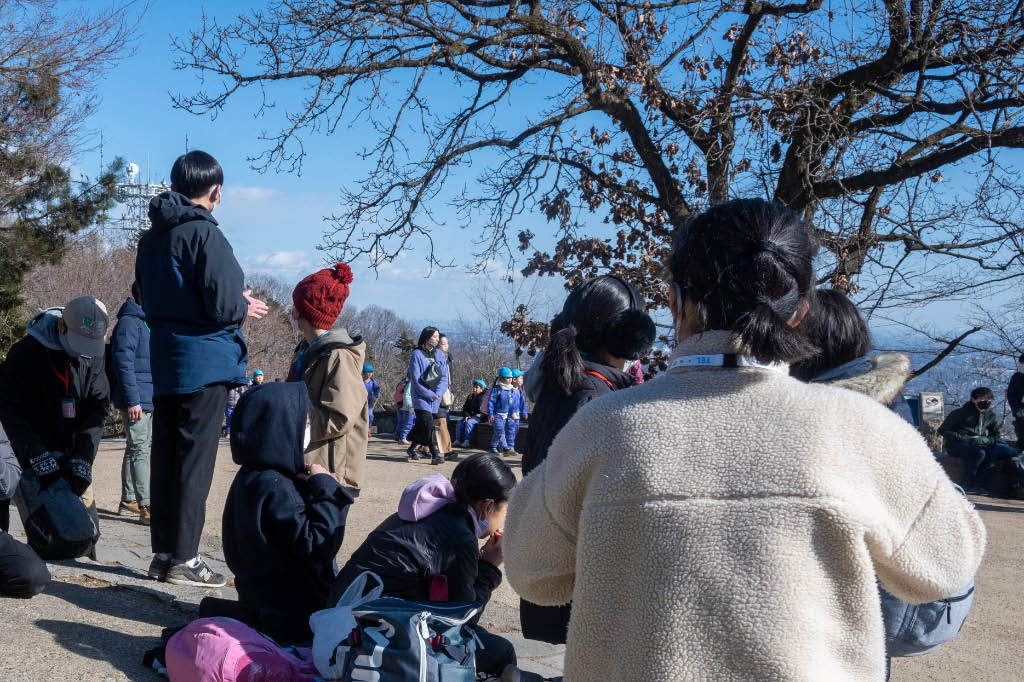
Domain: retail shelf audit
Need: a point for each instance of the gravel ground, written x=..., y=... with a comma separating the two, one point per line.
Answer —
x=96, y=619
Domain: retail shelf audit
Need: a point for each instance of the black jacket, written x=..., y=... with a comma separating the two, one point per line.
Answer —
x=192, y=294
x=281, y=534
x=1015, y=395
x=471, y=408
x=32, y=392
x=551, y=413
x=553, y=410
x=407, y=555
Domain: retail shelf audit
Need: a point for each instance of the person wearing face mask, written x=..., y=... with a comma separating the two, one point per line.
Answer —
x=54, y=394
x=429, y=550
x=284, y=519
x=972, y=434
x=727, y=522
x=194, y=296
x=330, y=362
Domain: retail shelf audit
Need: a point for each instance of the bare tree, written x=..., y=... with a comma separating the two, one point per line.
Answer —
x=882, y=121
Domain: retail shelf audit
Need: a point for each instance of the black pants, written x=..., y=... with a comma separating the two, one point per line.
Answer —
x=424, y=432
x=186, y=431
x=1018, y=428
x=497, y=653
x=285, y=628
x=22, y=572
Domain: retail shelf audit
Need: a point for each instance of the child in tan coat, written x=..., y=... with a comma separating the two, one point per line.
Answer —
x=330, y=363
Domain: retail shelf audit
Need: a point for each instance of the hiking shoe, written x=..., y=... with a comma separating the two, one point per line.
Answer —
x=200, y=576
x=128, y=508
x=494, y=451
x=412, y=454
x=452, y=457
x=509, y=452
x=144, y=515
x=437, y=459
x=158, y=568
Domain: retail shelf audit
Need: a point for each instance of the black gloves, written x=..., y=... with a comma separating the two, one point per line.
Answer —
x=45, y=468
x=81, y=475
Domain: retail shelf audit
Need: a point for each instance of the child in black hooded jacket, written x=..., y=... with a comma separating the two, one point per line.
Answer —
x=283, y=521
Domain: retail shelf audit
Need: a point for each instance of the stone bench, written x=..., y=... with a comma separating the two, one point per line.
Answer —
x=1000, y=479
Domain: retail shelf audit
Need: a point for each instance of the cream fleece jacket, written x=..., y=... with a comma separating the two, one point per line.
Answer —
x=723, y=525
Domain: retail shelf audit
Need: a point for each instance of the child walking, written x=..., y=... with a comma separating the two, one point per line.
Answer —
x=499, y=405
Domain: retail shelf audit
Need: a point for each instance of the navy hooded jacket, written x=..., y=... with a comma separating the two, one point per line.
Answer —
x=192, y=293
x=129, y=353
x=281, y=534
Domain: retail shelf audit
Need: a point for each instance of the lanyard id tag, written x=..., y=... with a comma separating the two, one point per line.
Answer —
x=67, y=408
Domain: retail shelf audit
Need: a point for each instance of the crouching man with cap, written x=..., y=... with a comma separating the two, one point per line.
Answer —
x=54, y=394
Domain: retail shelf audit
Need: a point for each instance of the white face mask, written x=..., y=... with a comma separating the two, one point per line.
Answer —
x=305, y=439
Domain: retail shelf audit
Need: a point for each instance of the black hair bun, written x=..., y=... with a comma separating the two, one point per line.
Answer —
x=630, y=335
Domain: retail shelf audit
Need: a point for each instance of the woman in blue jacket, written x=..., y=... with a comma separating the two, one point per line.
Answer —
x=427, y=388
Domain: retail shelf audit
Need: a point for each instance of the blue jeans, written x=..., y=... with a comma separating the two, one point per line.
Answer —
x=135, y=465
x=406, y=420
x=498, y=439
x=979, y=458
x=511, y=429
x=464, y=431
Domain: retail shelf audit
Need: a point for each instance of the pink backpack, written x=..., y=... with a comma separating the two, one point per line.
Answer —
x=226, y=650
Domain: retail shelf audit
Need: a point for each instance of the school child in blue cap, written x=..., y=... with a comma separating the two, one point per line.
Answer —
x=499, y=406
x=372, y=390
x=472, y=414
x=516, y=413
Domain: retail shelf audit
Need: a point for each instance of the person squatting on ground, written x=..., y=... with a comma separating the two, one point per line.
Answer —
x=428, y=380
x=22, y=573
x=784, y=501
x=601, y=327
x=284, y=520
x=54, y=394
x=500, y=403
x=195, y=299
x=132, y=394
x=971, y=433
x=429, y=550
x=470, y=414
x=373, y=391
x=330, y=362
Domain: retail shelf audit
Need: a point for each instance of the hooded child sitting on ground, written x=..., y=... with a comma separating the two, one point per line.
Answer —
x=284, y=521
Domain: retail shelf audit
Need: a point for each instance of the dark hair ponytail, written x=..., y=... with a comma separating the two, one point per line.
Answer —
x=483, y=476
x=602, y=314
x=747, y=266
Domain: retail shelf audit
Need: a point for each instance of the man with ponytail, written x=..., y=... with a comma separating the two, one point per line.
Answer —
x=330, y=362
x=727, y=521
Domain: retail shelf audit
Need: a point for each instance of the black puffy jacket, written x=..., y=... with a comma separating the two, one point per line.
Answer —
x=551, y=413
x=281, y=534
x=408, y=555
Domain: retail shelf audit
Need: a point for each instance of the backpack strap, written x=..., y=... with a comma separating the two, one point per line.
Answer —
x=602, y=378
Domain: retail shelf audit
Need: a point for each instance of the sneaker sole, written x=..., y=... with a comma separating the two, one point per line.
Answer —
x=193, y=583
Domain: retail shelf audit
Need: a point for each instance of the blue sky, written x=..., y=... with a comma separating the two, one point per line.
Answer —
x=273, y=220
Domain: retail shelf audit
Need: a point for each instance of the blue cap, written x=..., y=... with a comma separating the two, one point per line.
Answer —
x=367, y=367
x=516, y=373
x=258, y=373
x=505, y=373
x=481, y=383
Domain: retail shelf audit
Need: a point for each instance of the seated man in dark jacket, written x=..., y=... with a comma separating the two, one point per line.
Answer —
x=972, y=433
x=429, y=550
x=22, y=572
x=283, y=521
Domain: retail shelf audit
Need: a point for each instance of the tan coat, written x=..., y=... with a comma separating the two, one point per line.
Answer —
x=729, y=525
x=339, y=411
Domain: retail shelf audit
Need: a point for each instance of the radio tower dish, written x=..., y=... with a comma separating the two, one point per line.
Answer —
x=135, y=196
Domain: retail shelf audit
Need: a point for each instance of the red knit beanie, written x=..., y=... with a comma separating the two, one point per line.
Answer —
x=320, y=297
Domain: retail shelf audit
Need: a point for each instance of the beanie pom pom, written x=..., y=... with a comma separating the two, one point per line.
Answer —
x=344, y=272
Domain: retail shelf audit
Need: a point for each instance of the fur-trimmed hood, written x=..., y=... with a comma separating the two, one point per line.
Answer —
x=881, y=377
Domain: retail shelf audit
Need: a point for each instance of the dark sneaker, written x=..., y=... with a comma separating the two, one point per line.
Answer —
x=980, y=492
x=158, y=569
x=412, y=454
x=200, y=576
x=437, y=459
x=451, y=457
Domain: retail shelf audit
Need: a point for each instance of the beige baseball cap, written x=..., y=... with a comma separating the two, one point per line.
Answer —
x=87, y=319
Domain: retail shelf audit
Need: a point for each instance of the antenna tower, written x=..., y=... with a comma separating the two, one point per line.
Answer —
x=135, y=196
